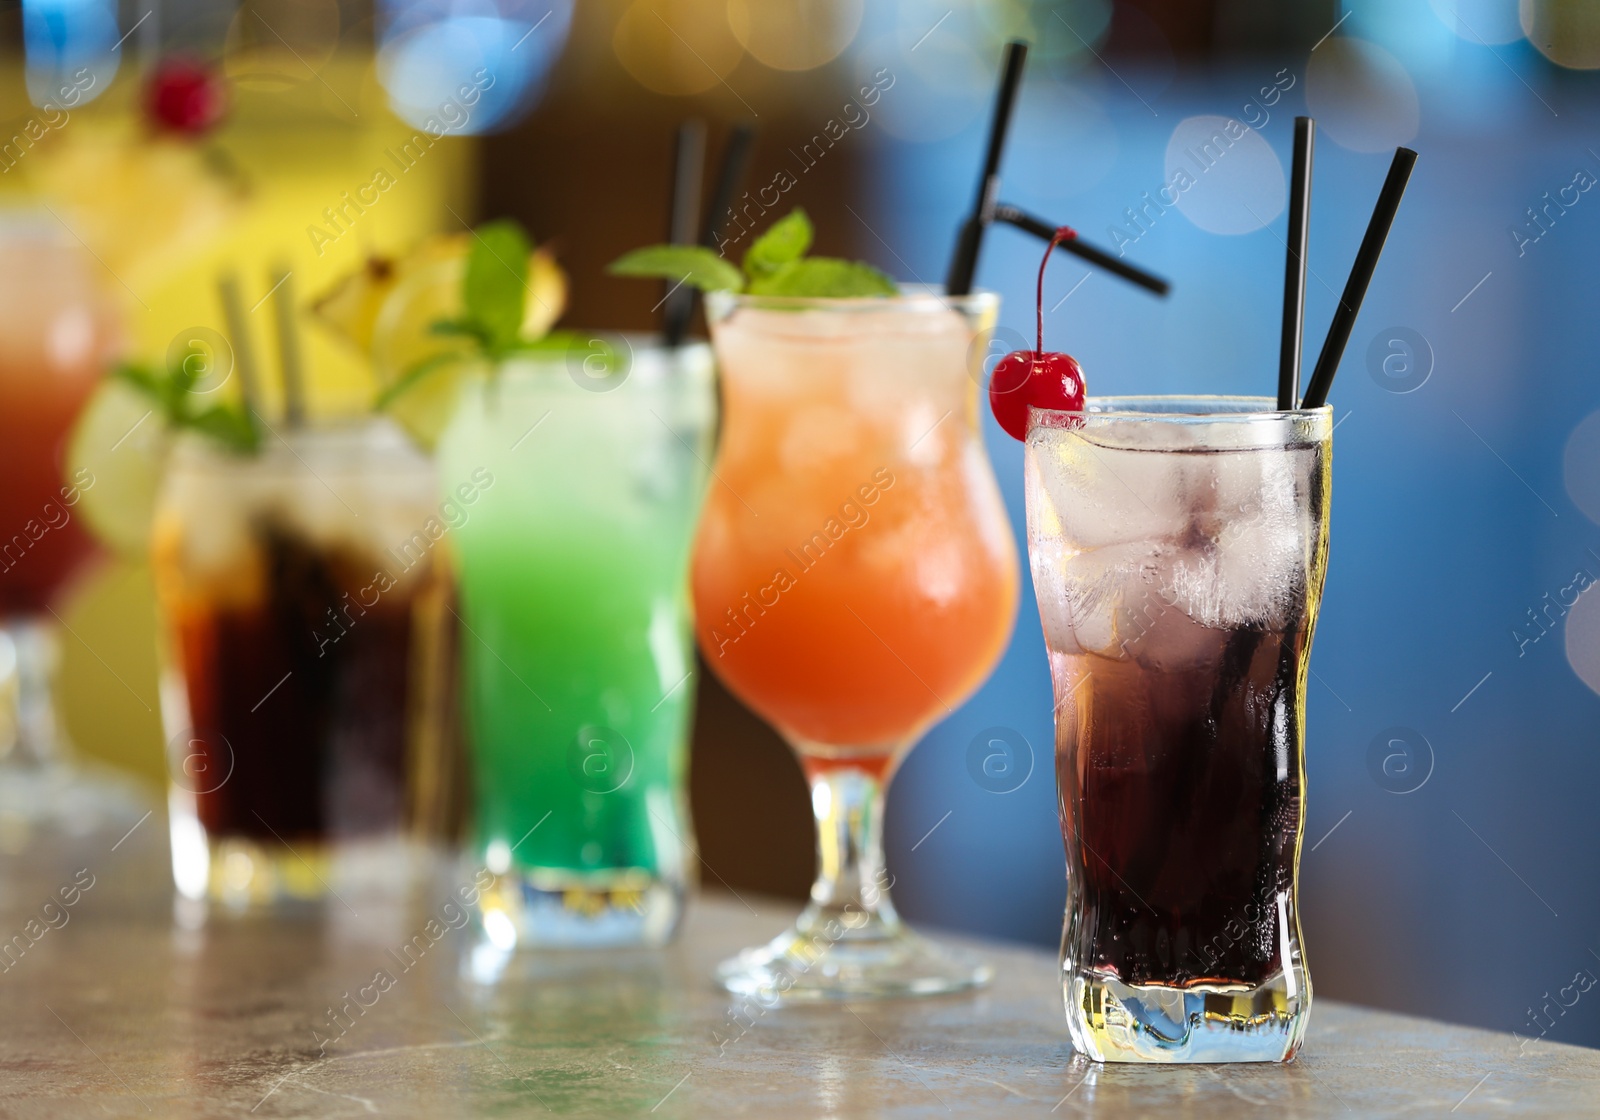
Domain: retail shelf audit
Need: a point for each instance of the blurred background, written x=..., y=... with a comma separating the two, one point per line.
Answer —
x=1452, y=852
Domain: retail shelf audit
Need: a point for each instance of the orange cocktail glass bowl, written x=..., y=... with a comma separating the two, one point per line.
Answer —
x=58, y=332
x=855, y=577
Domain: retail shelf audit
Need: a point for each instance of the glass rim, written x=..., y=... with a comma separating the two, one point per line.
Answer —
x=911, y=298
x=340, y=439
x=642, y=340
x=635, y=342
x=1206, y=408
x=634, y=355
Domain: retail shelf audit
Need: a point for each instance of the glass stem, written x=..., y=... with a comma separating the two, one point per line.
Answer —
x=852, y=886
x=28, y=734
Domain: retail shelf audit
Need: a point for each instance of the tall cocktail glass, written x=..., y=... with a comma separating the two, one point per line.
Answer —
x=573, y=575
x=855, y=579
x=307, y=690
x=1178, y=549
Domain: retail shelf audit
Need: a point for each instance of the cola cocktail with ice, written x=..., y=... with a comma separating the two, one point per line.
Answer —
x=308, y=692
x=1178, y=549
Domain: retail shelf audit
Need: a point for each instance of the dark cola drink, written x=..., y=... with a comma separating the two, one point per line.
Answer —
x=1179, y=560
x=1186, y=811
x=310, y=683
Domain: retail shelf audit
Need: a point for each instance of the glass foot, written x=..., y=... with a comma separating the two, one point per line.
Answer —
x=1115, y=1022
x=825, y=960
x=51, y=806
x=58, y=806
x=544, y=908
x=245, y=873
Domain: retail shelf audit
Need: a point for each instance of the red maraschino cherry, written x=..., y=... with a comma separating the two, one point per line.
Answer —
x=184, y=96
x=1040, y=378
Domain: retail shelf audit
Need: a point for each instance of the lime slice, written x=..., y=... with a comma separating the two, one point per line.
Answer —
x=402, y=338
x=122, y=441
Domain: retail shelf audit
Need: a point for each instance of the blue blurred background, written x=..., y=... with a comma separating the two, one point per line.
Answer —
x=1460, y=882
x=1451, y=856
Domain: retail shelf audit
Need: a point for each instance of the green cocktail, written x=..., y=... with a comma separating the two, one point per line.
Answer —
x=577, y=656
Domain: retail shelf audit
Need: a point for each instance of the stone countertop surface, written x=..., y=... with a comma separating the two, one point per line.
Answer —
x=134, y=1008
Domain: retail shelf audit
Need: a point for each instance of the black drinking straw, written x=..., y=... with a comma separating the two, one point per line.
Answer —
x=735, y=158
x=964, y=260
x=730, y=173
x=1044, y=231
x=688, y=165
x=987, y=208
x=244, y=360
x=1292, y=342
x=1355, y=288
x=294, y=388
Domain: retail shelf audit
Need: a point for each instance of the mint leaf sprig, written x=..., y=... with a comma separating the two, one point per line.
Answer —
x=174, y=398
x=495, y=290
x=775, y=265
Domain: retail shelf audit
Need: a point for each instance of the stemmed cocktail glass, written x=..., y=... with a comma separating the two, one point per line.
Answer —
x=855, y=579
x=60, y=330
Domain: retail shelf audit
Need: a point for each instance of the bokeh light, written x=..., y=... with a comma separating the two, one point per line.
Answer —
x=795, y=34
x=1423, y=36
x=1567, y=32
x=677, y=46
x=1055, y=30
x=1361, y=96
x=1581, y=466
x=1583, y=637
x=1489, y=22
x=62, y=39
x=939, y=88
x=1224, y=176
x=469, y=74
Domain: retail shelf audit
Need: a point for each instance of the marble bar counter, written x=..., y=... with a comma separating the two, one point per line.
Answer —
x=128, y=1008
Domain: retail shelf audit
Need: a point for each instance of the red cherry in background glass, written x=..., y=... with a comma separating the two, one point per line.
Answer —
x=1039, y=378
x=184, y=96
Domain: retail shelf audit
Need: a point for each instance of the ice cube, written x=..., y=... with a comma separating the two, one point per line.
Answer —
x=1167, y=639
x=1244, y=557
x=1047, y=556
x=1108, y=495
x=1107, y=594
x=1261, y=567
x=821, y=434
x=1228, y=531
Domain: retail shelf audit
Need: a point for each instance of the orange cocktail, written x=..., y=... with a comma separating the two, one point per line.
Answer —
x=57, y=335
x=855, y=579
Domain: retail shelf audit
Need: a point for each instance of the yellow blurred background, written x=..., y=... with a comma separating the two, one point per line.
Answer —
x=298, y=147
